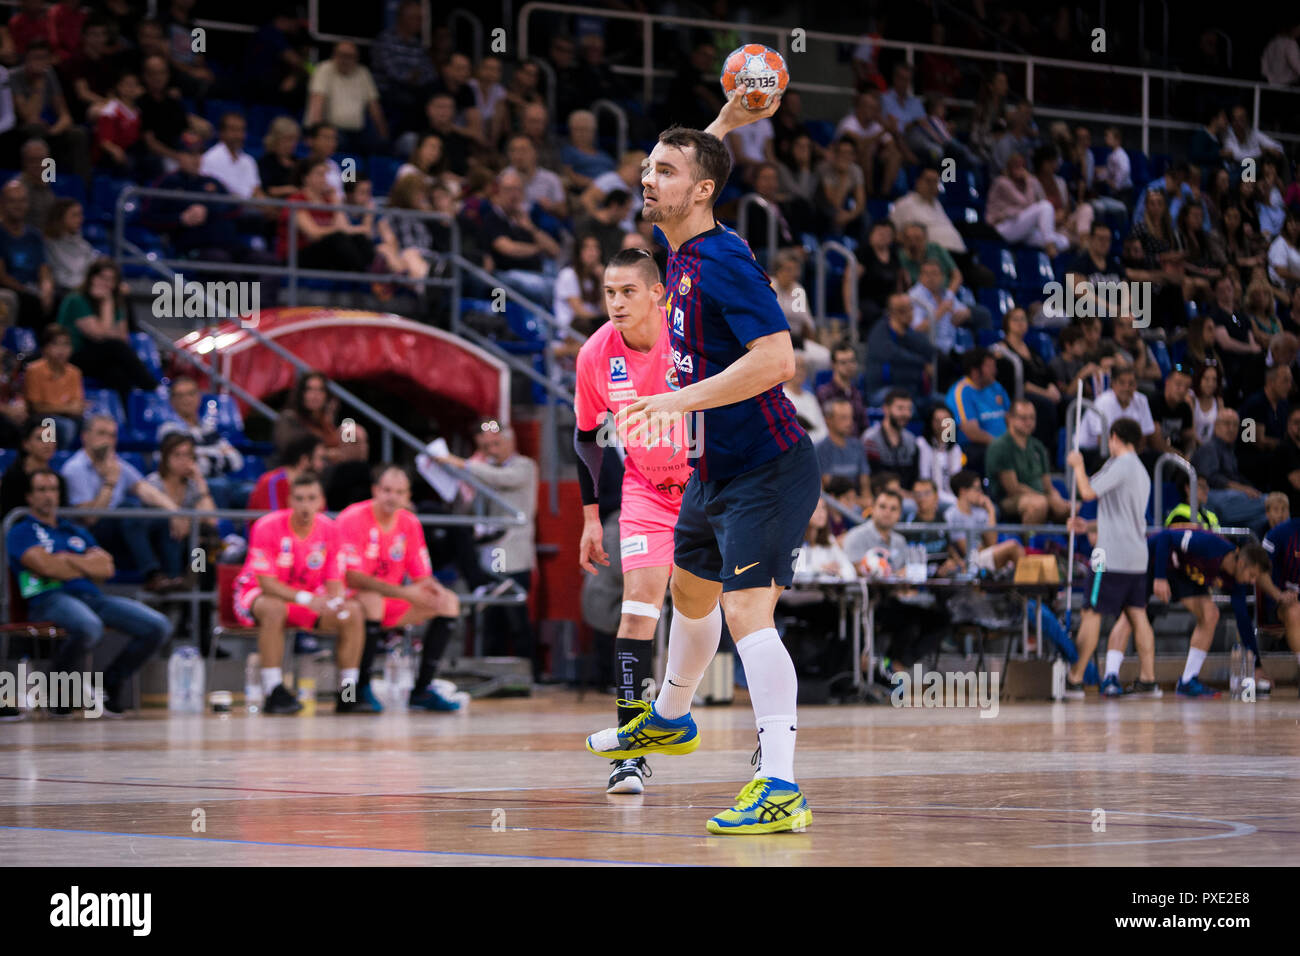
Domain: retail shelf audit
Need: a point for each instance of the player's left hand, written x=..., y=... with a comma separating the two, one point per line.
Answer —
x=1074, y=459
x=591, y=547
x=653, y=413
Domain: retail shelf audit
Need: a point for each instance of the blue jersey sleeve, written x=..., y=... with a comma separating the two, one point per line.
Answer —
x=21, y=537
x=742, y=293
x=1245, y=625
x=85, y=535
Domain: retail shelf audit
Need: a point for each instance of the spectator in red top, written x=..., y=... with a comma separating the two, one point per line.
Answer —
x=31, y=21
x=118, y=146
x=327, y=239
x=67, y=18
x=305, y=453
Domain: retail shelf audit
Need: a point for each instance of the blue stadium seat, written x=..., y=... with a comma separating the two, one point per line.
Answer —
x=141, y=464
x=879, y=209
x=59, y=459
x=20, y=340
x=1041, y=341
x=104, y=191
x=965, y=339
x=998, y=258
x=383, y=173
x=998, y=301
x=821, y=378
x=986, y=337
x=822, y=131
x=1034, y=267
x=69, y=186
x=7, y=456
x=105, y=401
x=1161, y=352
x=146, y=412
x=229, y=422
x=254, y=466
x=147, y=351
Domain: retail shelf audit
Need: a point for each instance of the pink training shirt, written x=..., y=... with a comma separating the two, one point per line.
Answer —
x=611, y=376
x=387, y=555
x=302, y=563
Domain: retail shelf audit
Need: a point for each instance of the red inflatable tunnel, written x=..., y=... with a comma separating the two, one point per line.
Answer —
x=346, y=344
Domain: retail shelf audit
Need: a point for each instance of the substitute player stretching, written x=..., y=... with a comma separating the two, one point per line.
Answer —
x=747, y=505
x=293, y=576
x=628, y=358
x=383, y=544
x=1282, y=545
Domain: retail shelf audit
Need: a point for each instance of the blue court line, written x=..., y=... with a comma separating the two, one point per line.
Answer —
x=359, y=849
x=684, y=836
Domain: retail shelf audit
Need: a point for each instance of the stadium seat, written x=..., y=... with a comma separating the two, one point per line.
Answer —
x=998, y=301
x=146, y=412
x=1034, y=268
x=999, y=259
x=1041, y=341
x=59, y=459
x=986, y=337
x=383, y=173
x=103, y=197
x=1161, y=352
x=68, y=185
x=822, y=131
x=7, y=456
x=965, y=339
x=147, y=351
x=105, y=401
x=137, y=460
x=21, y=341
x=226, y=411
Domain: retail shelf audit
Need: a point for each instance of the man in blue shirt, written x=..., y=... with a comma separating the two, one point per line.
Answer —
x=57, y=564
x=981, y=406
x=756, y=482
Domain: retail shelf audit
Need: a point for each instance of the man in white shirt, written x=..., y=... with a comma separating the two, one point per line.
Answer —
x=1118, y=171
x=903, y=109
x=343, y=94
x=1121, y=400
x=627, y=177
x=806, y=406
x=1280, y=62
x=922, y=205
x=541, y=186
x=228, y=164
x=1243, y=142
x=751, y=146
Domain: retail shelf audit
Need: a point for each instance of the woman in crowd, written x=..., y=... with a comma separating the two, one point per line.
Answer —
x=1207, y=388
x=327, y=240
x=277, y=167
x=1261, y=307
x=1074, y=222
x=1039, y=386
x=34, y=452
x=1241, y=246
x=878, y=273
x=428, y=160
x=95, y=317
x=311, y=409
x=938, y=454
x=579, y=291
x=1202, y=263
x=794, y=301
x=180, y=478
x=67, y=251
x=798, y=174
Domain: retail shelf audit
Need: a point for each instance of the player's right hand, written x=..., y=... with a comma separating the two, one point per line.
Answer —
x=1160, y=590
x=591, y=547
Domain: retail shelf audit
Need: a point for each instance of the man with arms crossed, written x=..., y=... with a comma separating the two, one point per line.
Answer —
x=625, y=359
x=746, y=507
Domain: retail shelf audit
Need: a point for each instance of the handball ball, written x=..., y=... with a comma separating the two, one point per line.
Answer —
x=875, y=563
x=756, y=74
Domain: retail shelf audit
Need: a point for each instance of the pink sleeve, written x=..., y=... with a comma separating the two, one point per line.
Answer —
x=334, y=558
x=418, y=564
x=262, y=547
x=588, y=404
x=347, y=530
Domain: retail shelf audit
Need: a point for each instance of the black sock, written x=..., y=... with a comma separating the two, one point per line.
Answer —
x=436, y=637
x=631, y=671
x=374, y=634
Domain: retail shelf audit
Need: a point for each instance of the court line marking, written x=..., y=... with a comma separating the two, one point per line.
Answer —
x=354, y=849
x=637, y=833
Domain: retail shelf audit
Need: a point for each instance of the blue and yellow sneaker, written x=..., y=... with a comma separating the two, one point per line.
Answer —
x=646, y=733
x=766, y=805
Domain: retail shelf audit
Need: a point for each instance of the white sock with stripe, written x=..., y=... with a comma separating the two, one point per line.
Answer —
x=692, y=642
x=774, y=691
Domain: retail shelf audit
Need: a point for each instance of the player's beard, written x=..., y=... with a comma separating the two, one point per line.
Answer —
x=660, y=213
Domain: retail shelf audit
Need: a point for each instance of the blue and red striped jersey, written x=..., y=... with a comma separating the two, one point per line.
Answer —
x=1198, y=556
x=1283, y=546
x=720, y=300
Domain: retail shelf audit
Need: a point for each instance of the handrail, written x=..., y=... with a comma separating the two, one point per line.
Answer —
x=237, y=514
x=778, y=34
x=742, y=222
x=459, y=13
x=1017, y=363
x=544, y=67
x=514, y=295
x=1178, y=461
x=1088, y=406
x=819, y=290
x=620, y=118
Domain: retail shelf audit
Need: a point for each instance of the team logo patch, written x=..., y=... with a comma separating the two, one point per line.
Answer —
x=684, y=287
x=76, y=543
x=398, y=549
x=637, y=544
x=679, y=322
x=617, y=369
x=316, y=559
x=671, y=378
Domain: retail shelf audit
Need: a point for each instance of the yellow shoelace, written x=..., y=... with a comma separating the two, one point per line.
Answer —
x=639, y=719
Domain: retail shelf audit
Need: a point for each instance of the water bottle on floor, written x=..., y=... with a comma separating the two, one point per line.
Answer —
x=1246, y=671
x=306, y=686
x=392, y=678
x=253, y=683
x=1234, y=671
x=185, y=681
x=1060, y=671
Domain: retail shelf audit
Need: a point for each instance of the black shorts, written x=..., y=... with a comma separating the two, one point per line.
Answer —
x=1181, y=586
x=1112, y=591
x=745, y=531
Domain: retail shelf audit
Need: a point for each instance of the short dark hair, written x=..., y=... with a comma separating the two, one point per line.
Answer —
x=837, y=485
x=1255, y=555
x=896, y=395
x=53, y=331
x=1127, y=431
x=925, y=481
x=642, y=260
x=966, y=478
x=843, y=345
x=307, y=477
x=31, y=479
x=975, y=358
x=300, y=447
x=712, y=161
x=1123, y=371
x=889, y=493
x=1069, y=335
x=384, y=467
x=881, y=481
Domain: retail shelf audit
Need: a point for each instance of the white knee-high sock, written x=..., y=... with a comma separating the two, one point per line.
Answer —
x=692, y=642
x=1195, y=658
x=774, y=690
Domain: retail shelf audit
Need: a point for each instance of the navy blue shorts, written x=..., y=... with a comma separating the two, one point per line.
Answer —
x=1110, y=592
x=745, y=531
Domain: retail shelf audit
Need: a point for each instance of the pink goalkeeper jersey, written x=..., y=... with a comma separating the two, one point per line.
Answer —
x=610, y=376
x=302, y=563
x=387, y=555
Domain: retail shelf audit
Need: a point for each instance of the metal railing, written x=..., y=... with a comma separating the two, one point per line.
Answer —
x=1177, y=461
x=1088, y=406
x=779, y=38
x=620, y=120
x=1017, y=364
x=195, y=598
x=819, y=285
x=742, y=222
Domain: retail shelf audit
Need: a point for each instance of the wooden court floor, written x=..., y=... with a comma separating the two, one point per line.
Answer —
x=508, y=783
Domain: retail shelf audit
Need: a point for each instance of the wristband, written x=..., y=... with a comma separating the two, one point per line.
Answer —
x=303, y=598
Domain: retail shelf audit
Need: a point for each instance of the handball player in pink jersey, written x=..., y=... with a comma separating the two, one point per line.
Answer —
x=629, y=358
x=293, y=577
x=383, y=545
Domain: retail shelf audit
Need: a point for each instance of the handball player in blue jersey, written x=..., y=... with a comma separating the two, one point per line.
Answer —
x=756, y=479
x=1281, y=609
